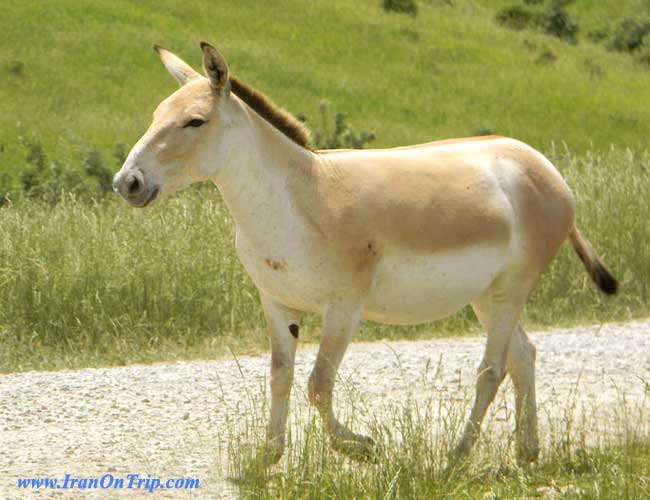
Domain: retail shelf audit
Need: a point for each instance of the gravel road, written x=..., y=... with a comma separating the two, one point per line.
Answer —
x=172, y=420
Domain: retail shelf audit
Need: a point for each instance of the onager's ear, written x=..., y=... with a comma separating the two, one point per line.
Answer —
x=178, y=68
x=215, y=68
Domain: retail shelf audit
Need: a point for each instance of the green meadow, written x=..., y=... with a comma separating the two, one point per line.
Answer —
x=86, y=281
x=80, y=75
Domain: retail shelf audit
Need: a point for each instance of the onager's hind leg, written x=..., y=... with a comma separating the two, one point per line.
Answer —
x=340, y=321
x=283, y=326
x=498, y=311
x=521, y=367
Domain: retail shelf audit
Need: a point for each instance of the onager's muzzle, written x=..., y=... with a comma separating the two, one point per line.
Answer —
x=131, y=185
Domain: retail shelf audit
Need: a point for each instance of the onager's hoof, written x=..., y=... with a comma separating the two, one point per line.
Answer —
x=461, y=451
x=527, y=452
x=361, y=448
x=271, y=453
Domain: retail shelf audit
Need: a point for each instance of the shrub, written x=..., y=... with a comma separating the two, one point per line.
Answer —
x=628, y=36
x=643, y=53
x=82, y=172
x=340, y=135
x=35, y=159
x=402, y=6
x=16, y=68
x=546, y=57
x=482, y=130
x=119, y=154
x=95, y=168
x=598, y=35
x=516, y=18
x=554, y=20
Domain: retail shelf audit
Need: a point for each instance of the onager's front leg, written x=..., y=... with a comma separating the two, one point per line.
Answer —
x=283, y=326
x=340, y=321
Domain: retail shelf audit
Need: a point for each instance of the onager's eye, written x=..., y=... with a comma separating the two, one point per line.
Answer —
x=194, y=122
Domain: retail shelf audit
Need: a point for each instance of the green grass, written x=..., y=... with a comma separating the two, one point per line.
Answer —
x=81, y=75
x=86, y=284
x=608, y=473
x=581, y=456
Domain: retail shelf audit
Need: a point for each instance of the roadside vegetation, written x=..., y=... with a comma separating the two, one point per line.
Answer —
x=584, y=454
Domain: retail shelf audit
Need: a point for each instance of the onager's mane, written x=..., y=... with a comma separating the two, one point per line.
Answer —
x=281, y=119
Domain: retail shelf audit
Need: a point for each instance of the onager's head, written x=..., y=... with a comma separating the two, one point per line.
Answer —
x=182, y=144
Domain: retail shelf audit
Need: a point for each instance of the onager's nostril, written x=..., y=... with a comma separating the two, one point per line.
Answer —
x=134, y=185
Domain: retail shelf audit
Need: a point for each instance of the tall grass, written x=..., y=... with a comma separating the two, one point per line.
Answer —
x=411, y=464
x=584, y=454
x=84, y=284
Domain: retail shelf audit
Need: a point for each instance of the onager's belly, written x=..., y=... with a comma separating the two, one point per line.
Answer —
x=411, y=287
x=408, y=286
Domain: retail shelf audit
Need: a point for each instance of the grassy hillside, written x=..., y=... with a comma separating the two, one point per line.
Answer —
x=78, y=76
x=97, y=283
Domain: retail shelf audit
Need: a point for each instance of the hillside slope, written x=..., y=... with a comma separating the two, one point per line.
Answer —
x=82, y=74
x=95, y=284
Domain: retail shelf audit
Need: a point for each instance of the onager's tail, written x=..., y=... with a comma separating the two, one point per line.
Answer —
x=594, y=265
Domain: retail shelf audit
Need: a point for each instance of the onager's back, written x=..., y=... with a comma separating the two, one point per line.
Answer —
x=404, y=235
x=433, y=225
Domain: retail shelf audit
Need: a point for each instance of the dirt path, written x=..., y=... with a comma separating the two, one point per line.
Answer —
x=171, y=420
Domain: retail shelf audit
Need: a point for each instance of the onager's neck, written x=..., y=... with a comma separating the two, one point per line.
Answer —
x=262, y=169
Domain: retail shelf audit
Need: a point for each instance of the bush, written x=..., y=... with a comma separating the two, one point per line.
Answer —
x=516, y=18
x=402, y=6
x=554, y=20
x=598, y=35
x=95, y=168
x=642, y=55
x=340, y=135
x=628, y=36
x=482, y=130
x=546, y=57
x=16, y=68
x=82, y=172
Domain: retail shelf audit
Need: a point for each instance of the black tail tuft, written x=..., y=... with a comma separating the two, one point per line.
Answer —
x=603, y=278
x=593, y=264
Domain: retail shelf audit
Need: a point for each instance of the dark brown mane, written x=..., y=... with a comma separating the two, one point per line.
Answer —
x=281, y=119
